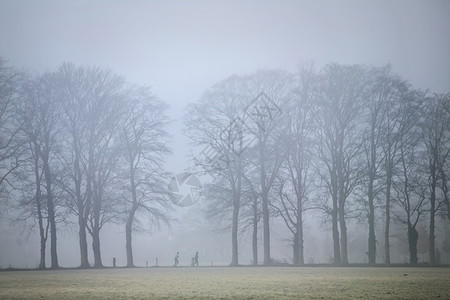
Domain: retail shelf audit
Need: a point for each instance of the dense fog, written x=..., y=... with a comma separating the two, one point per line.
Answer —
x=251, y=132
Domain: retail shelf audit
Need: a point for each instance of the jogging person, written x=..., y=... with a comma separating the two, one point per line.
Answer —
x=176, y=259
x=196, y=259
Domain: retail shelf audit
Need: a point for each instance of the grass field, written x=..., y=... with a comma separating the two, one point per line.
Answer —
x=224, y=283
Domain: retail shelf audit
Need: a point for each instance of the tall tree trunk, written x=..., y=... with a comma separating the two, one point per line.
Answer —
x=334, y=221
x=82, y=241
x=372, y=239
x=295, y=249
x=83, y=207
x=387, y=252
x=38, y=198
x=298, y=239
x=341, y=208
x=130, y=220
x=255, y=232
x=433, y=184
x=372, y=248
x=51, y=215
x=343, y=228
x=301, y=250
x=265, y=204
x=432, y=247
x=43, y=238
x=96, y=233
x=128, y=235
x=96, y=248
x=266, y=229
x=299, y=223
x=413, y=237
x=89, y=190
x=234, y=237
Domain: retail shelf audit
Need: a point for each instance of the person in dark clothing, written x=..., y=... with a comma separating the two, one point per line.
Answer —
x=196, y=259
x=176, y=259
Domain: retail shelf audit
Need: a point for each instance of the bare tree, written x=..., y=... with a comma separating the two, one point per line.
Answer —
x=9, y=145
x=342, y=89
x=30, y=210
x=444, y=168
x=74, y=89
x=264, y=115
x=296, y=176
x=339, y=107
x=216, y=125
x=436, y=135
x=256, y=214
x=409, y=183
x=145, y=146
x=33, y=201
x=393, y=91
x=38, y=111
x=92, y=101
x=104, y=113
x=378, y=110
x=48, y=116
x=371, y=144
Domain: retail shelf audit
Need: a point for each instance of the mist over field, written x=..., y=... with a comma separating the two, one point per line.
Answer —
x=251, y=132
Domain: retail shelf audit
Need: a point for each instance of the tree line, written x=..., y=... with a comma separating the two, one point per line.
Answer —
x=349, y=141
x=82, y=145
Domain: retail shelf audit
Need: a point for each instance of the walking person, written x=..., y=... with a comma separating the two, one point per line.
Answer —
x=196, y=259
x=176, y=259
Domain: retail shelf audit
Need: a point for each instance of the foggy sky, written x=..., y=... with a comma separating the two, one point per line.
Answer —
x=180, y=48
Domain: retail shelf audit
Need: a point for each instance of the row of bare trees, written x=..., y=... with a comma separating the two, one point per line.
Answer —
x=79, y=145
x=347, y=140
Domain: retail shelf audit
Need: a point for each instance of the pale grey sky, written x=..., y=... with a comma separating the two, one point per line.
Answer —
x=180, y=48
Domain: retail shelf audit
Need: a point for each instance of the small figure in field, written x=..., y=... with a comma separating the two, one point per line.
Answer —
x=196, y=259
x=176, y=259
